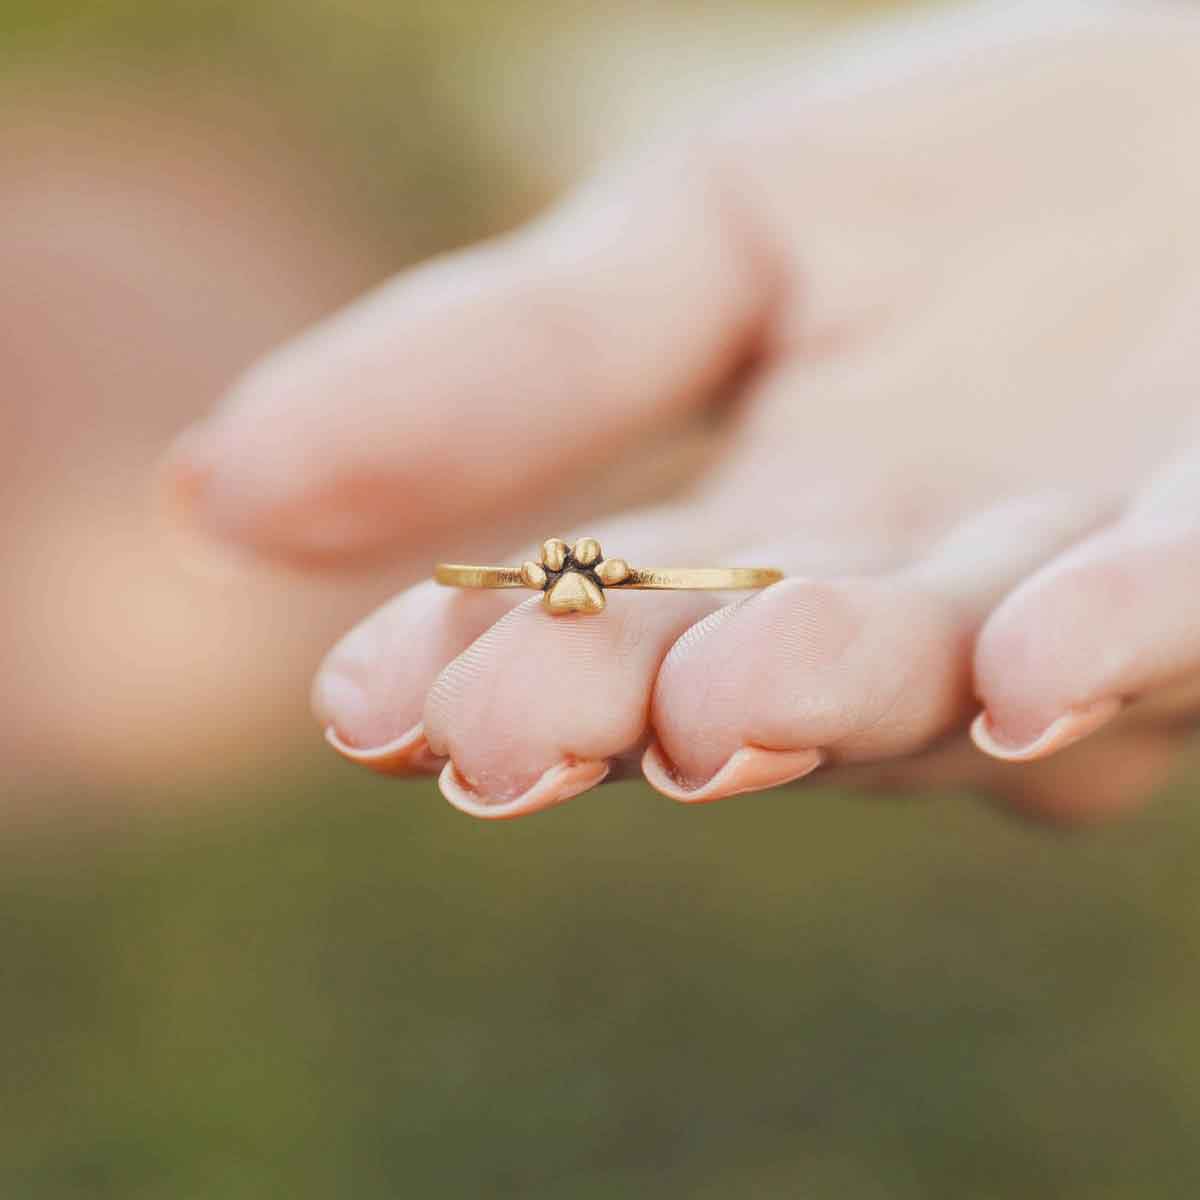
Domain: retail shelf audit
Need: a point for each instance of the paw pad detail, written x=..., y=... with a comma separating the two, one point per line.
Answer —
x=573, y=578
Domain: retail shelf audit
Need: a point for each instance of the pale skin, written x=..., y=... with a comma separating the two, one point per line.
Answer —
x=950, y=305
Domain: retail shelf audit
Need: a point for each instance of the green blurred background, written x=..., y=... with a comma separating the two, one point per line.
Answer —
x=234, y=968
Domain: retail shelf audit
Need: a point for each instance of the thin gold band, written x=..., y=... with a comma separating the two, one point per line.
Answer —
x=573, y=579
x=704, y=579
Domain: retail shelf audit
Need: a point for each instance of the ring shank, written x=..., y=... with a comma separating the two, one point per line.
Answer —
x=703, y=579
x=462, y=576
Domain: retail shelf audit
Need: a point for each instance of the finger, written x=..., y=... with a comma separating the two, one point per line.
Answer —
x=532, y=713
x=842, y=670
x=1109, y=620
x=540, y=707
x=537, y=695
x=464, y=388
x=370, y=690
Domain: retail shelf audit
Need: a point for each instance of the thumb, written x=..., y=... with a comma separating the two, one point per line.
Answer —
x=462, y=387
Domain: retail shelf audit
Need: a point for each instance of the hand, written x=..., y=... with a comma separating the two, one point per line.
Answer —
x=954, y=312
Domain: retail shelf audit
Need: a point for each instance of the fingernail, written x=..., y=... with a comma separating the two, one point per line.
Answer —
x=352, y=723
x=559, y=783
x=409, y=754
x=1071, y=727
x=750, y=769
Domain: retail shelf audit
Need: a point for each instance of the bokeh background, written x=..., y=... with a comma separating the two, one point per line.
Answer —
x=234, y=967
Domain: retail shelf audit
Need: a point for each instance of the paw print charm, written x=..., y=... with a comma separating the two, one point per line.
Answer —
x=573, y=578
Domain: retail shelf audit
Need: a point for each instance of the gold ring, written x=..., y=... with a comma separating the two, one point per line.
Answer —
x=573, y=578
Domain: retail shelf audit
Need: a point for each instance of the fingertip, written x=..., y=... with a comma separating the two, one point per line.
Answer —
x=372, y=686
x=560, y=783
x=186, y=471
x=340, y=697
x=750, y=769
x=1073, y=726
x=409, y=754
x=180, y=484
x=872, y=668
x=536, y=687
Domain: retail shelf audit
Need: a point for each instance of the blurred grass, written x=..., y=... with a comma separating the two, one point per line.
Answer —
x=334, y=985
x=391, y=90
x=347, y=988
x=385, y=92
